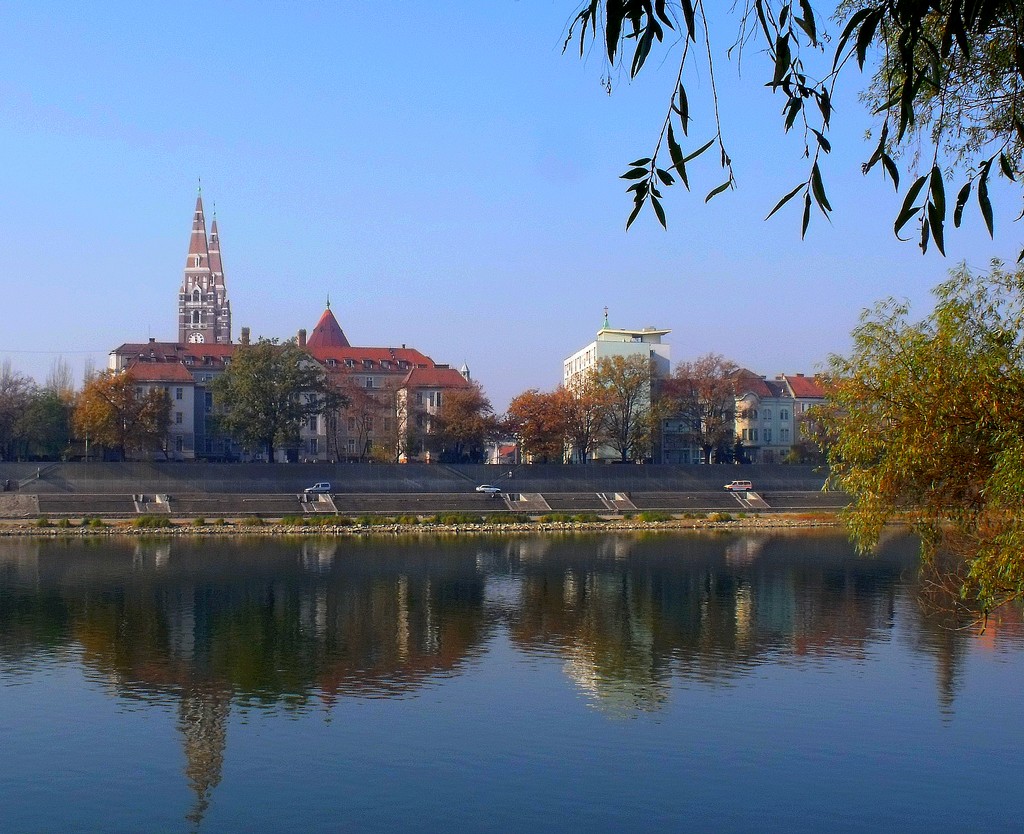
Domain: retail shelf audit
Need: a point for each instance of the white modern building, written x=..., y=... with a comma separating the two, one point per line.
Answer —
x=613, y=342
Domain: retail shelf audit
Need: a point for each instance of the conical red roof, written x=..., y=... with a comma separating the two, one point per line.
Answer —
x=327, y=333
x=197, y=246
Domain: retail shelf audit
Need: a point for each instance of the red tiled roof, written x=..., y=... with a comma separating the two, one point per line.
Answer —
x=159, y=372
x=327, y=333
x=435, y=377
x=374, y=354
x=747, y=382
x=805, y=387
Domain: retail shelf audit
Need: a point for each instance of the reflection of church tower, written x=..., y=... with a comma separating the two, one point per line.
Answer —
x=204, y=313
x=203, y=718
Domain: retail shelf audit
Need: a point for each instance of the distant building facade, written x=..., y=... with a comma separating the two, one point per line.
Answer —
x=394, y=394
x=610, y=343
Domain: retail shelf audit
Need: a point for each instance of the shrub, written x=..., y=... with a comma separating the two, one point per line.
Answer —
x=63, y=523
x=720, y=517
x=556, y=518
x=502, y=518
x=456, y=518
x=146, y=521
x=95, y=521
x=199, y=522
x=408, y=519
x=587, y=518
x=220, y=522
x=651, y=516
x=42, y=521
x=256, y=521
x=293, y=520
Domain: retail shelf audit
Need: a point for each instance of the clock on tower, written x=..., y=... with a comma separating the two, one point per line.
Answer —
x=196, y=338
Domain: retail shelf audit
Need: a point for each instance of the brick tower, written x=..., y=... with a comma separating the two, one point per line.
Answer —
x=204, y=312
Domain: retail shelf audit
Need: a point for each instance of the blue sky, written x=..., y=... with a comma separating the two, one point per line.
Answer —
x=442, y=170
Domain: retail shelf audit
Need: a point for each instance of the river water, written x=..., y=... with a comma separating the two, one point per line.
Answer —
x=669, y=682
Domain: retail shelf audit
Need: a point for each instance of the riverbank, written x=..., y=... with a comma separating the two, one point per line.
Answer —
x=339, y=527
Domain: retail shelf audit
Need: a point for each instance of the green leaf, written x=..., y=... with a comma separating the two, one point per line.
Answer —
x=659, y=211
x=938, y=192
x=699, y=151
x=867, y=34
x=909, y=209
x=716, y=191
x=676, y=153
x=826, y=146
x=807, y=216
x=634, y=174
x=1004, y=163
x=688, y=16
x=786, y=199
x=983, y=201
x=793, y=108
x=783, y=60
x=807, y=21
x=935, y=221
x=851, y=27
x=684, y=108
x=639, y=162
x=818, y=189
x=664, y=176
x=961, y=201
x=894, y=172
x=638, y=203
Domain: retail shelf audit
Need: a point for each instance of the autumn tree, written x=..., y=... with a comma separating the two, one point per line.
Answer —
x=629, y=412
x=267, y=392
x=586, y=407
x=540, y=419
x=701, y=394
x=111, y=411
x=364, y=425
x=16, y=393
x=947, y=93
x=927, y=419
x=463, y=424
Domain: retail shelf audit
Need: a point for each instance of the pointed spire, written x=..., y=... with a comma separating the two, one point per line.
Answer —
x=605, y=326
x=198, y=248
x=328, y=301
x=327, y=333
x=216, y=266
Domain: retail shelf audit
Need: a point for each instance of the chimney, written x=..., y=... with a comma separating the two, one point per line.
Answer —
x=152, y=340
x=245, y=335
x=302, y=337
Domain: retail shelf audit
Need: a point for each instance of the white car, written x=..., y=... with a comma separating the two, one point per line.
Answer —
x=322, y=488
x=739, y=486
x=488, y=488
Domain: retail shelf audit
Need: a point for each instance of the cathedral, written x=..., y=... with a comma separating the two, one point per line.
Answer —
x=204, y=312
x=394, y=393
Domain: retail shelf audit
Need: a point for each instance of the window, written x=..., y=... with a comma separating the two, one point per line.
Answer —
x=784, y=435
x=767, y=435
x=387, y=424
x=369, y=382
x=313, y=446
x=349, y=363
x=438, y=399
x=138, y=391
x=351, y=423
x=208, y=400
x=351, y=446
x=753, y=435
x=179, y=443
x=367, y=364
x=784, y=414
x=196, y=295
x=312, y=423
x=767, y=414
x=178, y=417
x=419, y=398
x=179, y=393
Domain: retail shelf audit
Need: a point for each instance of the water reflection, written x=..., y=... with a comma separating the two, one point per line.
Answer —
x=208, y=624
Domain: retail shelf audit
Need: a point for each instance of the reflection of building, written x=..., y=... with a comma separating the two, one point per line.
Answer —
x=202, y=719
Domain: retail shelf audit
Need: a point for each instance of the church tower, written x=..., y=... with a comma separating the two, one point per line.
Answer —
x=204, y=312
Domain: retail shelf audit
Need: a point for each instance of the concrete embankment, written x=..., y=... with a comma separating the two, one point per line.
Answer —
x=274, y=491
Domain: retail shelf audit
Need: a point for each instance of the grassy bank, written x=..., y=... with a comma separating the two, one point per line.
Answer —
x=384, y=525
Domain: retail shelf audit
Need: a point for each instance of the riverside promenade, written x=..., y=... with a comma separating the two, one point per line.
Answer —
x=276, y=490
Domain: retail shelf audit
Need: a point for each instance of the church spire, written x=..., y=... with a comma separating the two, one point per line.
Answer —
x=204, y=312
x=198, y=248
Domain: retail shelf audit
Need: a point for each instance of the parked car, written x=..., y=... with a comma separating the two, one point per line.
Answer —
x=488, y=488
x=321, y=488
x=739, y=486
